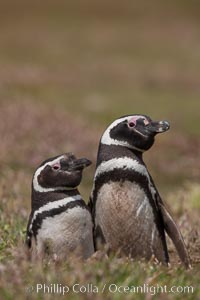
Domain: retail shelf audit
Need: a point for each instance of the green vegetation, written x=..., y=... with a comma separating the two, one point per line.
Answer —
x=67, y=70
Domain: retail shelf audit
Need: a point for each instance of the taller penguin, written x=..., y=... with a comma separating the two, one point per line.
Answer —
x=128, y=212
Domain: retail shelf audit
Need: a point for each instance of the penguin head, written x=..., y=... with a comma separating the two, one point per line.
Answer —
x=136, y=132
x=64, y=171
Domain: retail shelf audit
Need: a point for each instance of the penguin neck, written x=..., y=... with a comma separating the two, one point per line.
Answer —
x=107, y=152
x=39, y=199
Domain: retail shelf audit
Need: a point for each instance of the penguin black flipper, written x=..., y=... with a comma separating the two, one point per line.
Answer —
x=91, y=207
x=28, y=240
x=175, y=235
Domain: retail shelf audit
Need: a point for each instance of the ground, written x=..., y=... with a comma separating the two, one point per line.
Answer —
x=67, y=71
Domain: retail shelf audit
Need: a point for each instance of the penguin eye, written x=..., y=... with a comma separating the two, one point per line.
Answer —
x=131, y=124
x=56, y=167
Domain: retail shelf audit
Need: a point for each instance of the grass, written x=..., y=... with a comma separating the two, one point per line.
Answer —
x=67, y=70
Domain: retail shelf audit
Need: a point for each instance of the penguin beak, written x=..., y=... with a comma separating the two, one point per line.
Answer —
x=79, y=164
x=159, y=127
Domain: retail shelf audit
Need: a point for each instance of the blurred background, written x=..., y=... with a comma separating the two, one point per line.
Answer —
x=69, y=68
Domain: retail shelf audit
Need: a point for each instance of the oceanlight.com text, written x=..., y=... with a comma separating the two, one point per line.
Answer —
x=111, y=288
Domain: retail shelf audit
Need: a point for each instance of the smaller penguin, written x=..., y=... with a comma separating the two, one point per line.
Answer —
x=60, y=222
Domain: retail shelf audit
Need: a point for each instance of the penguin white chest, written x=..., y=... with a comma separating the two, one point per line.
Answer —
x=125, y=215
x=67, y=232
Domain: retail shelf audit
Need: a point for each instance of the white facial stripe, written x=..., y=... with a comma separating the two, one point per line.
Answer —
x=37, y=187
x=107, y=140
x=125, y=163
x=53, y=205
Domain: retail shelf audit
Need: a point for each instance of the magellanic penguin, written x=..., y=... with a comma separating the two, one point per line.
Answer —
x=128, y=212
x=60, y=223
